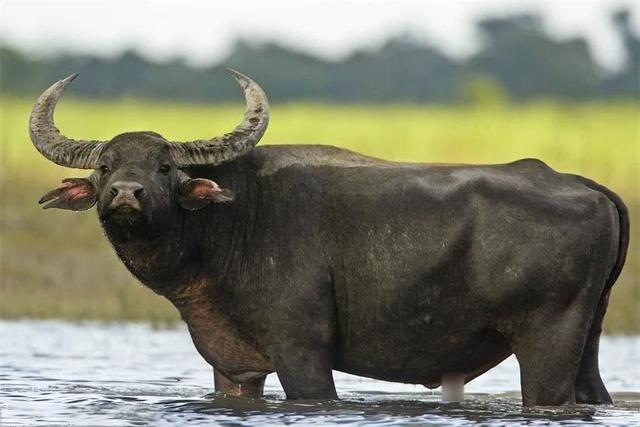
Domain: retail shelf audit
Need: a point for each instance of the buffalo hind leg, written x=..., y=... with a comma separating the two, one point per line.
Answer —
x=589, y=385
x=549, y=357
x=252, y=388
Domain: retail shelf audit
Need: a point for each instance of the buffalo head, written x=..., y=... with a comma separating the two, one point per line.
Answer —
x=139, y=179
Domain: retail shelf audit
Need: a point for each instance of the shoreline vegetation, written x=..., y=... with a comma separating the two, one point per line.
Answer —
x=58, y=264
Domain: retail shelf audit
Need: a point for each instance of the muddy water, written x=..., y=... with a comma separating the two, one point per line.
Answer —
x=57, y=373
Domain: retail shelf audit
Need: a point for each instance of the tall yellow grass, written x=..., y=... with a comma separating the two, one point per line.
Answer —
x=57, y=264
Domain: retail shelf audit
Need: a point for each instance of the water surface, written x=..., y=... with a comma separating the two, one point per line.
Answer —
x=58, y=373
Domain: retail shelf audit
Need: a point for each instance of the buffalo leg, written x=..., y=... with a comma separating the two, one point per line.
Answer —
x=252, y=388
x=306, y=374
x=589, y=385
x=549, y=358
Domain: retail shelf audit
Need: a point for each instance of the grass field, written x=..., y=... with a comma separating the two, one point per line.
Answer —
x=58, y=264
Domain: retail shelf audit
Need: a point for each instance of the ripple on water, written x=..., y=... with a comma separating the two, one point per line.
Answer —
x=56, y=373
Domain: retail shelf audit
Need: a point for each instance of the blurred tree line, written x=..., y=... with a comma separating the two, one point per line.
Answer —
x=518, y=61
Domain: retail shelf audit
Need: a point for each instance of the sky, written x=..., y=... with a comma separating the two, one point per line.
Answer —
x=202, y=32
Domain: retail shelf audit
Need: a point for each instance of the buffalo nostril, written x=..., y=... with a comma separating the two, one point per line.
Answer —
x=125, y=188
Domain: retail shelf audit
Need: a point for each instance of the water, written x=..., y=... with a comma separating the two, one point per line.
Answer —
x=57, y=373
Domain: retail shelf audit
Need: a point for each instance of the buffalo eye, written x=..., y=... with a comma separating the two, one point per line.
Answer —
x=164, y=169
x=104, y=169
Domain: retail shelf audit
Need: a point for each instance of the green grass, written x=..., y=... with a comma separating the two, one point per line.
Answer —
x=58, y=264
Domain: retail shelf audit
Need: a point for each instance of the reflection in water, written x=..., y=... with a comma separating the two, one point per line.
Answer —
x=56, y=373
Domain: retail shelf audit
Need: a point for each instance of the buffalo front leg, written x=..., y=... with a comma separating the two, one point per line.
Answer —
x=306, y=374
x=251, y=388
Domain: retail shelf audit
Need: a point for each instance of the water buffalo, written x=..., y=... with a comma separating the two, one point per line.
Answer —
x=303, y=259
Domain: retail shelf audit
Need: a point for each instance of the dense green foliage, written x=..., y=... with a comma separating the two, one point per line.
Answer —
x=517, y=55
x=58, y=263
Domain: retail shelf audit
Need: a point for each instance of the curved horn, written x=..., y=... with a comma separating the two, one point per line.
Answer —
x=48, y=139
x=233, y=144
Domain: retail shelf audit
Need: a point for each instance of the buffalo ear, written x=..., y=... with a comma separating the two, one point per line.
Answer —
x=199, y=192
x=76, y=194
